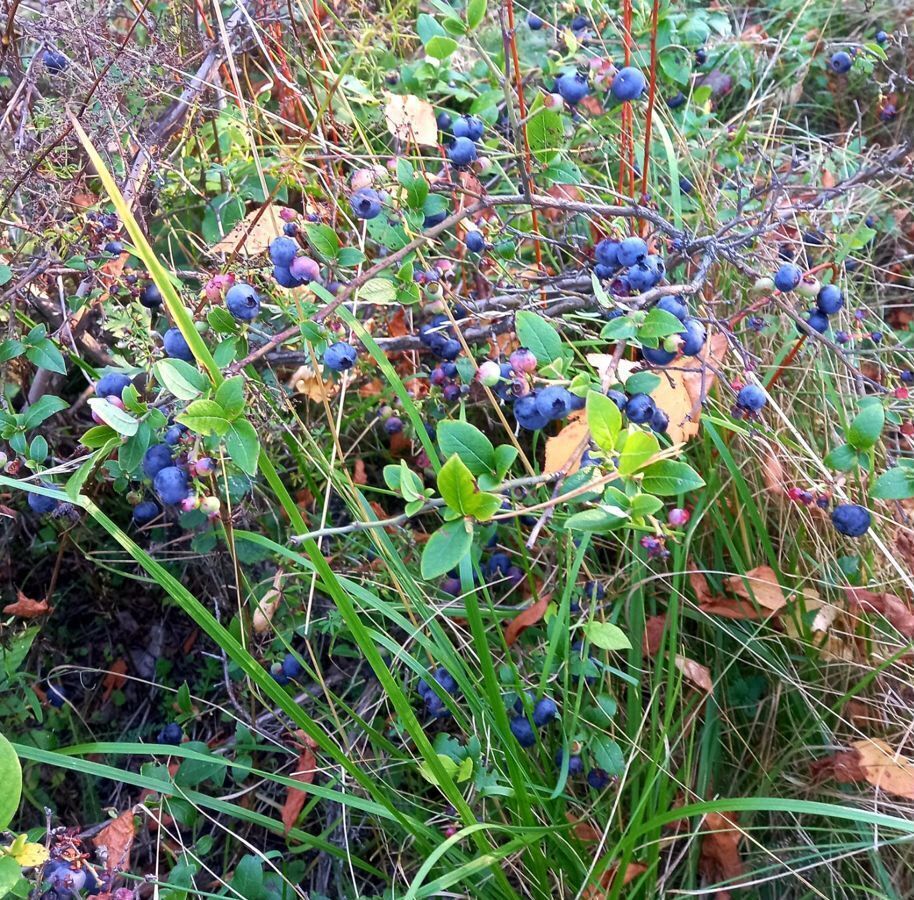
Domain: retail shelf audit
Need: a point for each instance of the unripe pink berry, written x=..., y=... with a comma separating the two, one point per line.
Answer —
x=809, y=286
x=188, y=504
x=554, y=102
x=210, y=506
x=522, y=361
x=489, y=373
x=678, y=517
x=305, y=268
x=288, y=215
x=204, y=466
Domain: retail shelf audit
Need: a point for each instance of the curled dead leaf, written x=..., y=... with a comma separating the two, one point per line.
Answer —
x=760, y=584
x=27, y=608
x=525, y=618
x=117, y=840
x=564, y=450
x=252, y=235
x=411, y=120
x=719, y=859
x=115, y=679
x=896, y=611
x=872, y=761
x=304, y=772
x=308, y=382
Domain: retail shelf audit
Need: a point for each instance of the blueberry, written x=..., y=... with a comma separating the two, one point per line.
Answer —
x=365, y=203
x=111, y=385
x=461, y=152
x=283, y=251
x=523, y=731
x=840, y=62
x=172, y=485
x=40, y=504
x=618, y=398
x=304, y=269
x=145, y=512
x=606, y=253
x=175, y=345
x=851, y=520
x=640, y=409
x=151, y=296
x=172, y=734
x=393, y=425
x=575, y=765
x=629, y=84
x=56, y=696
x=156, y=458
x=674, y=305
x=54, y=61
x=631, y=251
x=572, y=87
x=604, y=273
x=579, y=23
x=291, y=667
x=174, y=433
x=449, y=369
x=497, y=564
x=685, y=185
x=470, y=127
x=787, y=277
x=678, y=99
x=646, y=274
x=693, y=337
x=277, y=674
x=817, y=321
x=597, y=779
x=907, y=376
x=446, y=680
x=284, y=278
x=340, y=356
x=444, y=121
x=660, y=421
x=544, y=711
x=114, y=247
x=830, y=299
x=701, y=56
x=876, y=337
x=434, y=219
x=534, y=22
x=475, y=242
x=242, y=301
x=657, y=356
x=842, y=337
x=751, y=397
x=881, y=37
x=528, y=415
x=554, y=402
x=448, y=349
x=290, y=229
x=66, y=880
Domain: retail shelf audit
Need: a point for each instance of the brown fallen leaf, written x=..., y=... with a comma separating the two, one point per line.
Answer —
x=525, y=618
x=411, y=120
x=584, y=831
x=26, y=608
x=304, y=772
x=872, y=761
x=253, y=236
x=680, y=393
x=115, y=679
x=762, y=585
x=396, y=325
x=895, y=610
x=697, y=674
x=652, y=639
x=268, y=604
x=719, y=859
x=359, y=475
x=773, y=472
x=117, y=839
x=560, y=448
x=308, y=382
x=610, y=876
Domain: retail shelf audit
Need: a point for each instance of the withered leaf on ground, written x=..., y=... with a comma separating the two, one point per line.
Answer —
x=117, y=839
x=26, y=607
x=525, y=618
x=719, y=859
x=873, y=761
x=304, y=772
x=561, y=447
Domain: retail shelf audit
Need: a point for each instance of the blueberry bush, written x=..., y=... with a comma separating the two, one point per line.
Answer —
x=456, y=449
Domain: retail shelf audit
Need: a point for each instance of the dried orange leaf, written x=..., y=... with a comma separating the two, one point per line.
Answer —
x=762, y=586
x=411, y=119
x=26, y=608
x=525, y=618
x=295, y=797
x=253, y=233
x=883, y=768
x=719, y=859
x=117, y=839
x=562, y=449
x=115, y=679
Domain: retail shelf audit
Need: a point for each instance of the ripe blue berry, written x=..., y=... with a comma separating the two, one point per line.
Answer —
x=575, y=765
x=646, y=274
x=907, y=376
x=787, y=277
x=393, y=425
x=284, y=278
x=631, y=251
x=340, y=356
x=572, y=87
x=876, y=337
x=528, y=415
x=365, y=203
x=111, y=385
x=40, y=504
x=242, y=301
x=172, y=734
x=461, y=152
x=523, y=731
x=606, y=253
x=544, y=711
x=114, y=247
x=470, y=127
x=842, y=337
x=674, y=305
x=640, y=409
x=881, y=37
x=446, y=680
x=444, y=121
x=156, y=458
x=657, y=356
x=817, y=321
x=660, y=421
x=618, y=398
x=751, y=397
x=145, y=512
x=597, y=779
x=54, y=61
x=851, y=520
x=579, y=23
x=150, y=296
x=290, y=229
x=840, y=62
x=173, y=434
x=175, y=345
x=678, y=99
x=830, y=299
x=629, y=84
x=693, y=338
x=172, y=485
x=534, y=22
x=282, y=251
x=475, y=242
x=554, y=402
x=291, y=667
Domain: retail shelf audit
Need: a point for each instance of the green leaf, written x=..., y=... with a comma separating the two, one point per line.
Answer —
x=445, y=549
x=205, y=417
x=427, y=28
x=896, y=483
x=538, y=336
x=247, y=880
x=130, y=453
x=45, y=355
x=456, y=485
x=545, y=132
x=350, y=256
x=221, y=320
x=608, y=755
x=867, y=426
x=669, y=477
x=11, y=779
x=600, y=519
x=476, y=12
x=606, y=636
x=378, y=290
x=622, y=328
x=603, y=419
x=43, y=408
x=638, y=448
x=323, y=240
x=120, y=420
x=10, y=349
x=449, y=766
x=644, y=505
x=440, y=47
x=10, y=873
x=659, y=323
x=469, y=443
x=842, y=459
x=642, y=383
x=181, y=379
x=243, y=445
x=230, y=396
x=6, y=273
x=98, y=436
